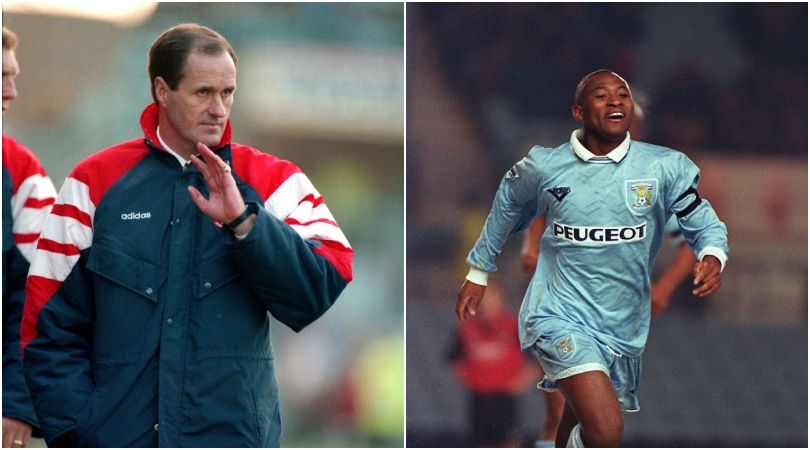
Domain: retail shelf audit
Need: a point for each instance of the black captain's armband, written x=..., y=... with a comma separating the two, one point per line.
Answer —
x=692, y=205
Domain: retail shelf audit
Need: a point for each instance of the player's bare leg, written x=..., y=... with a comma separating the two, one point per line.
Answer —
x=591, y=398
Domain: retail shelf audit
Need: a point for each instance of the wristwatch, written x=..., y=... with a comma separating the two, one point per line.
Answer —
x=242, y=217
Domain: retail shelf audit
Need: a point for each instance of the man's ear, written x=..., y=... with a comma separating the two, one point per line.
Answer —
x=161, y=91
x=578, y=114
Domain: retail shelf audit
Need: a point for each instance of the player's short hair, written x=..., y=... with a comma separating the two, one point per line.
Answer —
x=169, y=53
x=9, y=39
x=586, y=78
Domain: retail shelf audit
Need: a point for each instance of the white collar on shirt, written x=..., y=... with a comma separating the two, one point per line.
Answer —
x=183, y=161
x=584, y=154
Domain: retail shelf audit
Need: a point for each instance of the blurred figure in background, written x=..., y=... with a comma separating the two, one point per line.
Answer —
x=147, y=319
x=553, y=401
x=28, y=195
x=678, y=270
x=487, y=359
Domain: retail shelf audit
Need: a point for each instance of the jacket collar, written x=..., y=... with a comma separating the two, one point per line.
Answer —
x=149, y=123
x=615, y=155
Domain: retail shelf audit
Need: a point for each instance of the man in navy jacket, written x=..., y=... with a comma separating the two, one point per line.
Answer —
x=148, y=301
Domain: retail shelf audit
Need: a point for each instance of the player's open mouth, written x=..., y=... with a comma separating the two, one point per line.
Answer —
x=615, y=116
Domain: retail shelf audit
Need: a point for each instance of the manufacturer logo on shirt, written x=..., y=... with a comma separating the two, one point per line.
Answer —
x=600, y=235
x=559, y=192
x=136, y=216
x=640, y=195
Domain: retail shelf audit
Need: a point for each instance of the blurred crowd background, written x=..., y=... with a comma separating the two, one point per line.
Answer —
x=319, y=84
x=726, y=83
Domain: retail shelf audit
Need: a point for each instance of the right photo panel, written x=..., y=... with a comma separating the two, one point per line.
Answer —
x=606, y=225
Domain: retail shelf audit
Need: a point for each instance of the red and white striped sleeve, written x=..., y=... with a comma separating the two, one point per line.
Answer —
x=290, y=196
x=301, y=206
x=32, y=195
x=68, y=230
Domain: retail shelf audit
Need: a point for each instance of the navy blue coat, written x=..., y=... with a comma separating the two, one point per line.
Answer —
x=147, y=324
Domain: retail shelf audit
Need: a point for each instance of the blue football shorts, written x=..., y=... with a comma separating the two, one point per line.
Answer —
x=567, y=351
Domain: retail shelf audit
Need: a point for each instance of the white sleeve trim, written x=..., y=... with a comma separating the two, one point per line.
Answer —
x=717, y=253
x=478, y=276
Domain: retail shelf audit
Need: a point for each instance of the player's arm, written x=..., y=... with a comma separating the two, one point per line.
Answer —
x=296, y=264
x=701, y=227
x=515, y=206
x=297, y=279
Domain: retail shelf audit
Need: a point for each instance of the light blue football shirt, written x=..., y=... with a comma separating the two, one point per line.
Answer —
x=605, y=218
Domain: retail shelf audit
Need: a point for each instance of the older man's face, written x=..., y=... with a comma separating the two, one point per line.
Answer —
x=198, y=109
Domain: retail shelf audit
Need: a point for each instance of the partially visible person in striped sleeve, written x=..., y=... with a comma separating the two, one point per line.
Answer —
x=27, y=198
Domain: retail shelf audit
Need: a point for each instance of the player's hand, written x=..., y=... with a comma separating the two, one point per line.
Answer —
x=707, y=276
x=661, y=294
x=469, y=297
x=16, y=433
x=224, y=202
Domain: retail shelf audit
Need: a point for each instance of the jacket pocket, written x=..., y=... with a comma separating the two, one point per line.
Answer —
x=266, y=411
x=140, y=277
x=215, y=272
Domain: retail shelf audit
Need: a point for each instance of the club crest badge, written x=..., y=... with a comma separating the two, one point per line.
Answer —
x=565, y=347
x=640, y=195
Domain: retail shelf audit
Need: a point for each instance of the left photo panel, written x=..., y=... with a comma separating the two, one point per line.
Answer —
x=203, y=224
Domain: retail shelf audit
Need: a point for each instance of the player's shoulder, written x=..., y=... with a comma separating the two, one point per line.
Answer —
x=12, y=145
x=541, y=155
x=104, y=168
x=20, y=162
x=543, y=159
x=14, y=152
x=248, y=160
x=113, y=158
x=657, y=151
x=261, y=170
x=542, y=152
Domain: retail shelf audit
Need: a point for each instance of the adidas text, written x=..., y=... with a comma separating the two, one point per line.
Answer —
x=136, y=216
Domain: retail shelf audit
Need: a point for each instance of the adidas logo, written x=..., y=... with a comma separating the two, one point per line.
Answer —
x=136, y=216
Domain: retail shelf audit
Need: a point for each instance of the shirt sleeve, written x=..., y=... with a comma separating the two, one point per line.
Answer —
x=57, y=323
x=703, y=230
x=296, y=259
x=516, y=204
